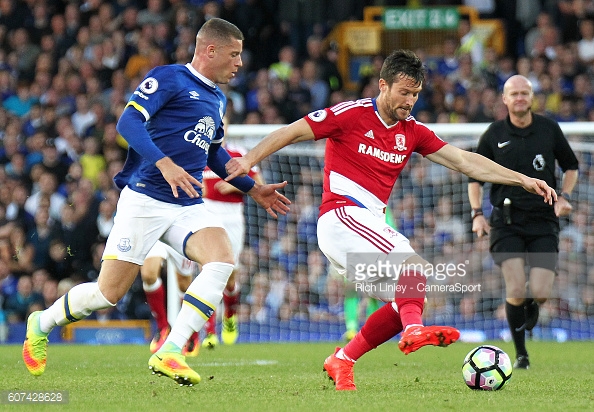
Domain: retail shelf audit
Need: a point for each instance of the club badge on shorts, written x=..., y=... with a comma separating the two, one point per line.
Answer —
x=124, y=245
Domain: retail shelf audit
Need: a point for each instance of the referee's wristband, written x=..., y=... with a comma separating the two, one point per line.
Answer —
x=564, y=195
x=475, y=213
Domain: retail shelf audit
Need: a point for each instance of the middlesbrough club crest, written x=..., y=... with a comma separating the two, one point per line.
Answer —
x=400, y=142
x=390, y=232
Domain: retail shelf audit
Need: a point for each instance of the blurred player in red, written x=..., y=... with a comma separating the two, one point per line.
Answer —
x=150, y=273
x=369, y=141
x=225, y=200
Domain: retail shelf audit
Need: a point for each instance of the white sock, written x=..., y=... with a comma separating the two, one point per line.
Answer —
x=200, y=301
x=75, y=305
x=151, y=288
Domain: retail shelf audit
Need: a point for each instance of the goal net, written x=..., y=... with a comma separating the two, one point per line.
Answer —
x=290, y=293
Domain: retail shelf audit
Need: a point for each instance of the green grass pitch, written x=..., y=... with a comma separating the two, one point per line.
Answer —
x=288, y=377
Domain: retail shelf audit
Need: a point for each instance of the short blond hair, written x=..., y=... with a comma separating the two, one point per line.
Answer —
x=219, y=30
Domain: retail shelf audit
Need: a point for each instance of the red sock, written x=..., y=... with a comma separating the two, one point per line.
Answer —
x=209, y=327
x=230, y=301
x=410, y=297
x=156, y=302
x=381, y=326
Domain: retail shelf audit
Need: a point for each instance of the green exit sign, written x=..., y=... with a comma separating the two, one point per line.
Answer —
x=401, y=18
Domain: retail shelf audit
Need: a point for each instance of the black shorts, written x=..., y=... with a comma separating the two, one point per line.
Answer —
x=530, y=236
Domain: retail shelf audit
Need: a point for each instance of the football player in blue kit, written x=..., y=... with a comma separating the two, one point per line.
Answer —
x=174, y=126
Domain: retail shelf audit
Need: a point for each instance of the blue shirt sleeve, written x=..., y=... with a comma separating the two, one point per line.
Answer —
x=131, y=127
x=217, y=159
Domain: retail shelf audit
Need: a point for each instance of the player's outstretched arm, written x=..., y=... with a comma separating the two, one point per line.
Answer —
x=480, y=168
x=298, y=131
x=271, y=200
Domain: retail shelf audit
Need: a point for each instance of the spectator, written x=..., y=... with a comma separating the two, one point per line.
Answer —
x=286, y=62
x=49, y=292
x=277, y=286
x=105, y=218
x=52, y=159
x=59, y=262
x=448, y=227
x=15, y=210
x=39, y=277
x=448, y=63
x=152, y=15
x=259, y=311
x=485, y=113
x=470, y=42
x=41, y=237
x=139, y=62
x=299, y=94
x=327, y=66
x=83, y=117
x=585, y=46
x=318, y=89
x=25, y=51
x=92, y=161
x=17, y=305
x=48, y=184
x=20, y=104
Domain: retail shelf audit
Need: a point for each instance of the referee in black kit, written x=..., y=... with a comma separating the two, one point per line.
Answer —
x=524, y=229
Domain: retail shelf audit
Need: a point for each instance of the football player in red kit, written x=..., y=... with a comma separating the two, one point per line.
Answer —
x=369, y=141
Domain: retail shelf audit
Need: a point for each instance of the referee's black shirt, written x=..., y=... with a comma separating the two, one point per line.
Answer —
x=531, y=151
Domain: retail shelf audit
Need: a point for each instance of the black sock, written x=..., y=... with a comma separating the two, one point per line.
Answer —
x=515, y=319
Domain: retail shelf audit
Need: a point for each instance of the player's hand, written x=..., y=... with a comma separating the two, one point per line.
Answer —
x=562, y=207
x=480, y=226
x=236, y=167
x=271, y=200
x=540, y=187
x=176, y=176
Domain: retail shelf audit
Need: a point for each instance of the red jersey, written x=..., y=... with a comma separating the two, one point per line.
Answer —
x=210, y=179
x=364, y=156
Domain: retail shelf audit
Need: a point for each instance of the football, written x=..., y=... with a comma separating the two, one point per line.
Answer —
x=486, y=368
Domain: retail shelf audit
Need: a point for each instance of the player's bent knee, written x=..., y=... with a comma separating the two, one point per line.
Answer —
x=111, y=296
x=115, y=279
x=210, y=245
x=148, y=276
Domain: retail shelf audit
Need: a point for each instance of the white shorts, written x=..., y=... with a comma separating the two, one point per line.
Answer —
x=141, y=221
x=183, y=265
x=350, y=235
x=231, y=216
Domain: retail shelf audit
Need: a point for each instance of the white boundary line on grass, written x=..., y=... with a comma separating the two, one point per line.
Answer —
x=259, y=362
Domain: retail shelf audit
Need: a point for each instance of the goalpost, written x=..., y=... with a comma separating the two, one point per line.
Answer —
x=288, y=294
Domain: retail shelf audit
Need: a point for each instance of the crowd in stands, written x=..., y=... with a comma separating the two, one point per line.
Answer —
x=67, y=69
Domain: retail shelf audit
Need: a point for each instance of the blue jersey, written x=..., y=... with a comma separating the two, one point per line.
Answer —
x=184, y=116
